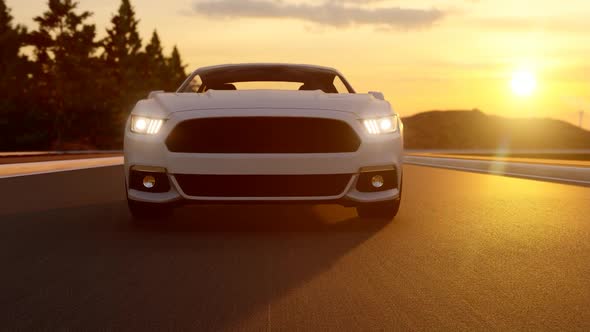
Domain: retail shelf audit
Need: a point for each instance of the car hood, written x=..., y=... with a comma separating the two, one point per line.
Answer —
x=360, y=104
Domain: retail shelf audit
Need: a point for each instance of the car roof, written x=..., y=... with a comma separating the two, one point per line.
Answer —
x=203, y=70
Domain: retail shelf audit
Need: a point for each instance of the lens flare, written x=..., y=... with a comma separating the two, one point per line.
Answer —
x=523, y=83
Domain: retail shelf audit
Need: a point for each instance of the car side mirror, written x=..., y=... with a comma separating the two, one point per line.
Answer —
x=378, y=95
x=154, y=93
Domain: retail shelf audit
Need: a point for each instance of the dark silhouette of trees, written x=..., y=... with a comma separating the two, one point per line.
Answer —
x=16, y=104
x=122, y=58
x=176, y=69
x=122, y=44
x=154, y=63
x=12, y=63
x=71, y=90
x=64, y=46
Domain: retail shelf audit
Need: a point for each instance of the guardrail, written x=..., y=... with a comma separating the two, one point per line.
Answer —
x=557, y=173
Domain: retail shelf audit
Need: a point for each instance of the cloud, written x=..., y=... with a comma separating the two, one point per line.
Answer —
x=332, y=12
x=526, y=24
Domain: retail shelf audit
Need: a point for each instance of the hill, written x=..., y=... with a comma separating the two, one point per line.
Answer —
x=476, y=130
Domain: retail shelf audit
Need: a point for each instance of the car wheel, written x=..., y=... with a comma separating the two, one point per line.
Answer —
x=382, y=210
x=148, y=212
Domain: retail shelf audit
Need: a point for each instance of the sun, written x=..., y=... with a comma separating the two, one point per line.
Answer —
x=523, y=83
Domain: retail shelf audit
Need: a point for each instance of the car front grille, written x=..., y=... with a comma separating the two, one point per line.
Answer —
x=263, y=135
x=263, y=185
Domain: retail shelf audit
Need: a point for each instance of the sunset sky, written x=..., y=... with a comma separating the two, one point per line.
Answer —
x=446, y=54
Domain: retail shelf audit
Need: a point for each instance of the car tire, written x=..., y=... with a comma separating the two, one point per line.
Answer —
x=382, y=210
x=142, y=212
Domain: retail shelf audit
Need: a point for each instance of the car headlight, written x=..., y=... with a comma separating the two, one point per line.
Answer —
x=145, y=125
x=384, y=125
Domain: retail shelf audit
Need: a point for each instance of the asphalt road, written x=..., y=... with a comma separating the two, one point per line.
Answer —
x=467, y=252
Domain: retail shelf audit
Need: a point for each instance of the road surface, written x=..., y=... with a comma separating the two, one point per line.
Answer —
x=467, y=252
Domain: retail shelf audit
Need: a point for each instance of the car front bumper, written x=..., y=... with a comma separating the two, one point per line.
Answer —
x=376, y=153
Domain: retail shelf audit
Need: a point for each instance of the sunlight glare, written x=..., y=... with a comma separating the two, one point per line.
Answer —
x=523, y=83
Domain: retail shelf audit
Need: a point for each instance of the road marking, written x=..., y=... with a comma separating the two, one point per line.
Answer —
x=44, y=167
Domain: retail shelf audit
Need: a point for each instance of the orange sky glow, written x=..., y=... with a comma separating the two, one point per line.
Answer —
x=422, y=54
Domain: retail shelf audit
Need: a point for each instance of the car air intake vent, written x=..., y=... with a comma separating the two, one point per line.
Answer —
x=263, y=185
x=263, y=135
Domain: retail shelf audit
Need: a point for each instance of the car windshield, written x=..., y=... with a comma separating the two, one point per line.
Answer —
x=268, y=77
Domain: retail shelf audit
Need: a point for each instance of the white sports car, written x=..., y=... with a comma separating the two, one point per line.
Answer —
x=264, y=133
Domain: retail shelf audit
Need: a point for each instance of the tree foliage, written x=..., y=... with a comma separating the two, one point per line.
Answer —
x=122, y=44
x=122, y=57
x=64, y=46
x=72, y=90
x=176, y=69
x=154, y=63
x=15, y=70
x=12, y=63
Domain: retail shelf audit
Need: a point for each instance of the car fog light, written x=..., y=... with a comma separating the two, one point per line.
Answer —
x=377, y=181
x=149, y=181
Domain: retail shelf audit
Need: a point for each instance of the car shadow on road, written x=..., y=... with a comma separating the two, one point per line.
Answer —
x=207, y=268
x=261, y=218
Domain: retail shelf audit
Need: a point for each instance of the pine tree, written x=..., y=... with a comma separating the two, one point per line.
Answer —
x=64, y=46
x=176, y=70
x=16, y=103
x=122, y=43
x=155, y=67
x=122, y=60
x=154, y=51
x=12, y=64
x=74, y=89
